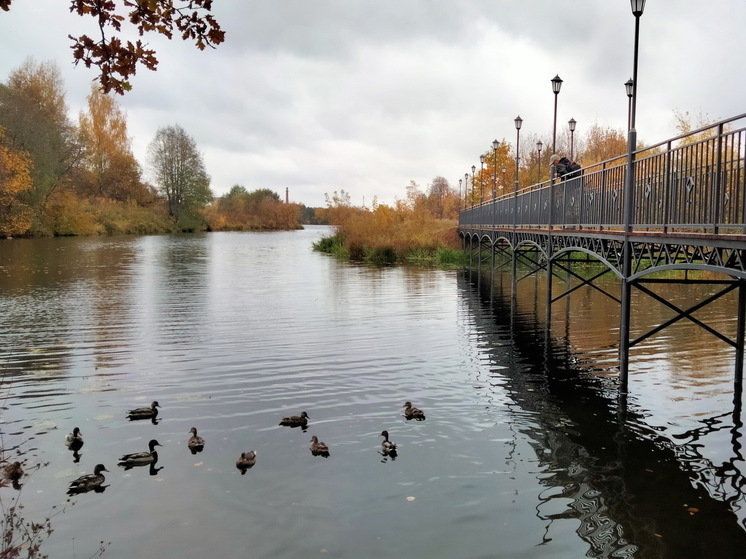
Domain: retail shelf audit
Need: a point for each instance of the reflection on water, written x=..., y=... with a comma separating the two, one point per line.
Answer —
x=524, y=451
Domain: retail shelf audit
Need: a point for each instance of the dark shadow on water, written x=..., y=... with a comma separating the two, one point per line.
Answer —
x=635, y=492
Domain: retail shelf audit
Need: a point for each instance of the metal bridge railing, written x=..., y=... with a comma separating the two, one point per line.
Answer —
x=695, y=182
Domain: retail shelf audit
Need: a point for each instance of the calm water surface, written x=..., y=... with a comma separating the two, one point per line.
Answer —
x=525, y=452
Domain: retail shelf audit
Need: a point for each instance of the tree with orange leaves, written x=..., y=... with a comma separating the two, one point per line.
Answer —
x=15, y=179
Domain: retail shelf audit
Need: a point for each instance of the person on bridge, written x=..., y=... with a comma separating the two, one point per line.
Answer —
x=559, y=164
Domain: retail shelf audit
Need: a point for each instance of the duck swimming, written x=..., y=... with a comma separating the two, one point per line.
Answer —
x=13, y=472
x=74, y=440
x=144, y=413
x=295, y=420
x=387, y=447
x=141, y=458
x=246, y=461
x=319, y=449
x=413, y=413
x=89, y=482
x=195, y=443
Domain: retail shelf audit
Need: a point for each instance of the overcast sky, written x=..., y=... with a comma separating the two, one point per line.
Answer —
x=365, y=96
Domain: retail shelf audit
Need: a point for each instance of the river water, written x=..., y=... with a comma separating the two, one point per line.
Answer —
x=526, y=451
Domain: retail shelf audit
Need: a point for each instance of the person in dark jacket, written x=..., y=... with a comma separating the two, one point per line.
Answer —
x=560, y=165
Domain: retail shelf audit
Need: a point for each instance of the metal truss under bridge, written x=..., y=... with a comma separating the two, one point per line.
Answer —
x=675, y=206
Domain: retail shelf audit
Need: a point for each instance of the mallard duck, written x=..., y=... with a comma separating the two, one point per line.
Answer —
x=144, y=413
x=387, y=447
x=413, y=413
x=295, y=420
x=246, y=461
x=74, y=440
x=317, y=448
x=89, y=482
x=141, y=458
x=195, y=443
x=13, y=472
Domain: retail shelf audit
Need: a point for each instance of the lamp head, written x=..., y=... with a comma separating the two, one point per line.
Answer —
x=557, y=83
x=495, y=144
x=572, y=124
x=518, y=122
x=481, y=159
x=629, y=86
x=539, y=145
x=638, y=6
x=473, y=169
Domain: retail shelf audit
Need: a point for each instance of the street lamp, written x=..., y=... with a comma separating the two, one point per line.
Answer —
x=556, y=85
x=629, y=86
x=473, y=170
x=495, y=145
x=638, y=6
x=572, y=124
x=466, y=189
x=459, y=193
x=539, y=146
x=481, y=180
x=518, y=122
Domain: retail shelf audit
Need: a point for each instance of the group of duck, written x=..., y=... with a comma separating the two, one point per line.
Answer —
x=95, y=481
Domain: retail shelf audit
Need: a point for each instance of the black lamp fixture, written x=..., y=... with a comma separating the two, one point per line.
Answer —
x=629, y=86
x=539, y=147
x=459, y=192
x=495, y=145
x=556, y=86
x=571, y=123
x=473, y=170
x=466, y=189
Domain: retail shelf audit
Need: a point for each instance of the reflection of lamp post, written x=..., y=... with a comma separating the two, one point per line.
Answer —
x=481, y=180
x=539, y=145
x=518, y=122
x=628, y=85
x=473, y=195
x=495, y=145
x=572, y=124
x=556, y=85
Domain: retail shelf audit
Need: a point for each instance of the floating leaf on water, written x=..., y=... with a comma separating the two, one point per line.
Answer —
x=692, y=510
x=198, y=463
x=410, y=498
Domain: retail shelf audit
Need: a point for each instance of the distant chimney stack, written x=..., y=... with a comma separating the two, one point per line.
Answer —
x=287, y=195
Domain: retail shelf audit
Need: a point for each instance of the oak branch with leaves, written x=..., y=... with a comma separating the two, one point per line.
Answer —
x=117, y=60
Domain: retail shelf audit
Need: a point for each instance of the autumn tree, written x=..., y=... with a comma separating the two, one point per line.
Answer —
x=118, y=60
x=33, y=112
x=109, y=169
x=602, y=144
x=180, y=174
x=15, y=180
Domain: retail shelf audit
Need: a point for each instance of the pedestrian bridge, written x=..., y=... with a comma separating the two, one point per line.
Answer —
x=651, y=215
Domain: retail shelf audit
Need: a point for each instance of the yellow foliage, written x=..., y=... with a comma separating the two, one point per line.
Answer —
x=15, y=180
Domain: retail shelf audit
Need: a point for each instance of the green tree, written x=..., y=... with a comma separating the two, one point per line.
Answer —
x=180, y=175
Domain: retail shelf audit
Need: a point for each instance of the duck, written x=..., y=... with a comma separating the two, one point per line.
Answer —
x=295, y=420
x=89, y=482
x=195, y=443
x=319, y=449
x=144, y=413
x=74, y=440
x=141, y=458
x=413, y=413
x=13, y=472
x=387, y=447
x=246, y=461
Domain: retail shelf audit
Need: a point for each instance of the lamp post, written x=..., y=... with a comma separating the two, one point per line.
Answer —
x=539, y=146
x=556, y=85
x=466, y=189
x=481, y=179
x=518, y=122
x=638, y=6
x=572, y=124
x=473, y=170
x=495, y=145
x=459, y=193
x=629, y=86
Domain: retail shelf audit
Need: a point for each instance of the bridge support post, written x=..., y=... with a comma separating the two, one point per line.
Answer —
x=740, y=335
x=629, y=192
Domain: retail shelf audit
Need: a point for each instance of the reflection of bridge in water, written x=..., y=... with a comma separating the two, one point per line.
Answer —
x=651, y=217
x=633, y=491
